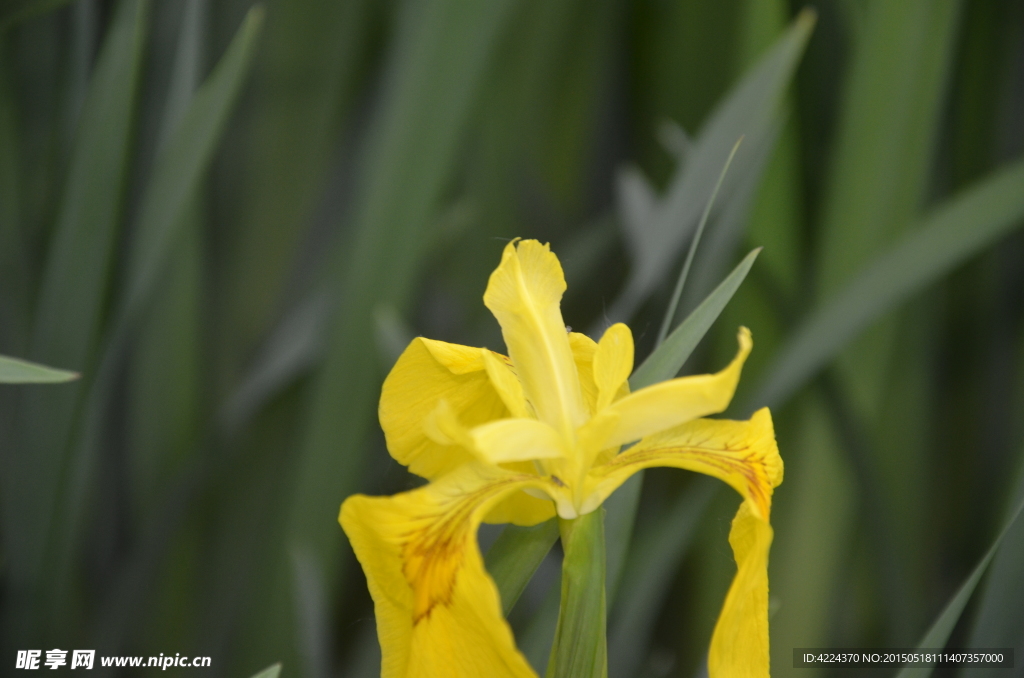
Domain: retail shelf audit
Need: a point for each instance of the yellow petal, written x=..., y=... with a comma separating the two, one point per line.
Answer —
x=438, y=612
x=508, y=440
x=524, y=294
x=583, y=350
x=426, y=373
x=504, y=381
x=739, y=645
x=741, y=453
x=613, y=362
x=519, y=507
x=676, y=401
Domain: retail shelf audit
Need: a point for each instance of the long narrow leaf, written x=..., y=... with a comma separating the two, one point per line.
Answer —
x=666, y=361
x=942, y=627
x=956, y=230
x=15, y=371
x=516, y=555
x=751, y=110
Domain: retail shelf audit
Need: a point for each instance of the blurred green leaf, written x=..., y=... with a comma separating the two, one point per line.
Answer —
x=653, y=561
x=751, y=110
x=166, y=200
x=69, y=312
x=953, y=232
x=580, y=646
x=516, y=555
x=666, y=360
x=15, y=11
x=180, y=167
x=942, y=627
x=15, y=371
x=1000, y=618
x=270, y=672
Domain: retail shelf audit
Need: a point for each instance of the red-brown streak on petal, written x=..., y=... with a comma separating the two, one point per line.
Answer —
x=744, y=465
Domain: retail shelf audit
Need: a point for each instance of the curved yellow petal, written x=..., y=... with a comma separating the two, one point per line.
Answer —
x=670, y=403
x=739, y=644
x=613, y=362
x=438, y=612
x=524, y=293
x=741, y=453
x=427, y=372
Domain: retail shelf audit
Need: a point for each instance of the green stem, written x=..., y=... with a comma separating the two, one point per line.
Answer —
x=580, y=647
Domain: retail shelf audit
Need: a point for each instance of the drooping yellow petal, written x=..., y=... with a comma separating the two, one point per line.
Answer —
x=739, y=645
x=426, y=373
x=613, y=362
x=438, y=612
x=741, y=453
x=670, y=403
x=524, y=293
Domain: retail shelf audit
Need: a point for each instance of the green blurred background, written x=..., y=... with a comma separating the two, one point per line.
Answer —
x=231, y=220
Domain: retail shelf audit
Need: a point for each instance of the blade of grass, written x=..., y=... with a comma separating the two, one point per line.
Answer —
x=673, y=304
x=953, y=232
x=942, y=627
x=69, y=313
x=15, y=371
x=270, y=672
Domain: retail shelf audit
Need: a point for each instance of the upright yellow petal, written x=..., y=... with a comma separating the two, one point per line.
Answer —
x=438, y=612
x=739, y=645
x=524, y=293
x=426, y=373
x=676, y=401
x=613, y=362
x=583, y=350
x=741, y=453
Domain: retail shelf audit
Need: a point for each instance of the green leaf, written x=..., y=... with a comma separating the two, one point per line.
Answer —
x=653, y=561
x=1000, y=617
x=183, y=162
x=272, y=671
x=580, y=646
x=70, y=309
x=169, y=196
x=954, y=231
x=942, y=627
x=752, y=109
x=16, y=371
x=666, y=360
x=516, y=555
x=16, y=11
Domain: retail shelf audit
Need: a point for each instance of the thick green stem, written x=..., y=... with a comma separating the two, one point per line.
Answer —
x=580, y=648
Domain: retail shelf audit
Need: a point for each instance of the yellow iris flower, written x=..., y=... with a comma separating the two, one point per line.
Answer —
x=522, y=438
